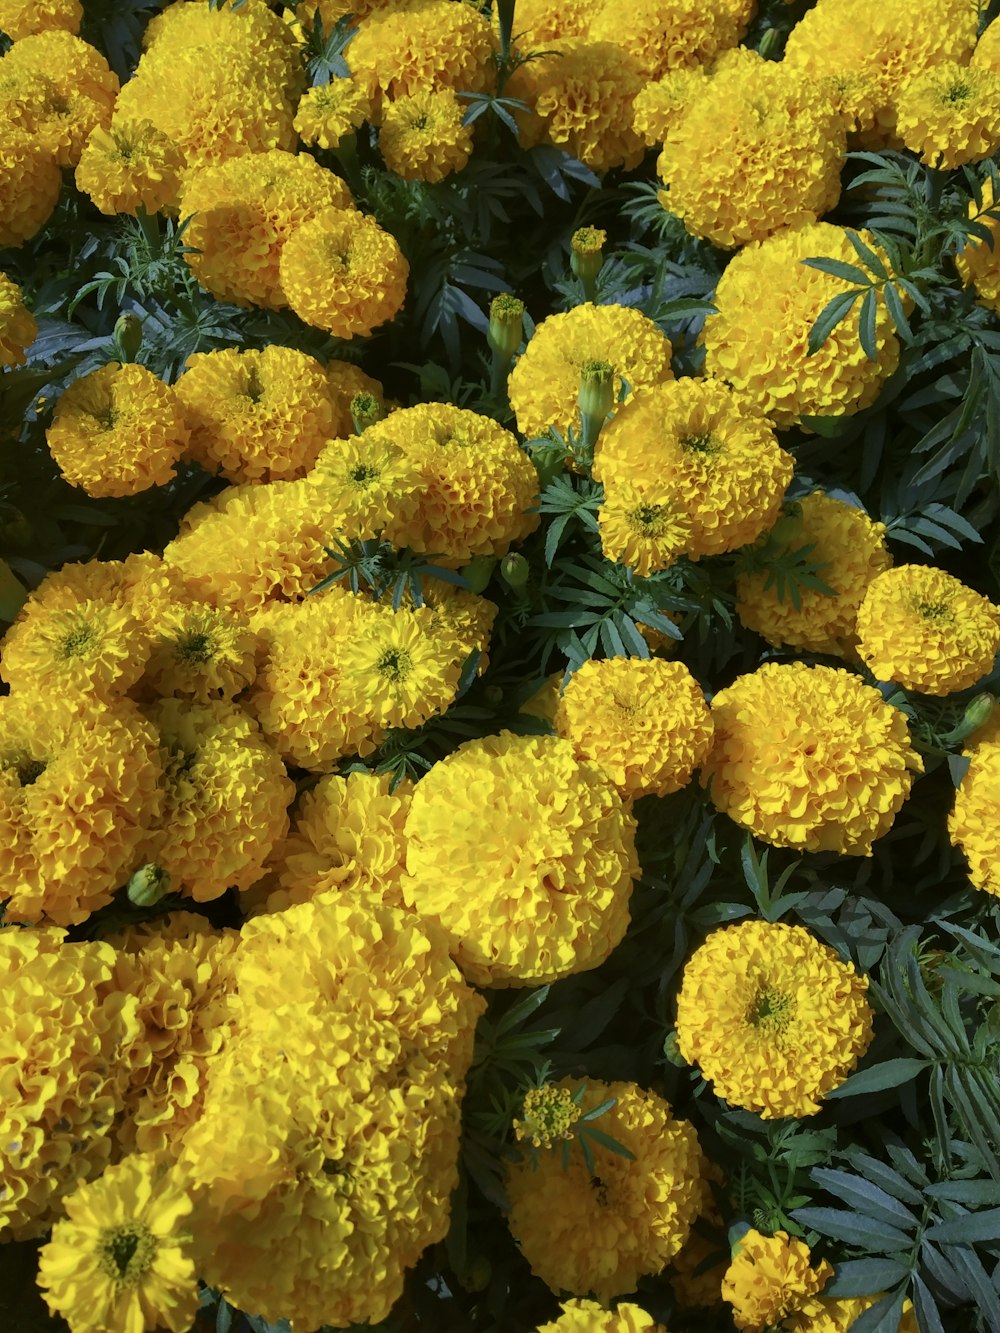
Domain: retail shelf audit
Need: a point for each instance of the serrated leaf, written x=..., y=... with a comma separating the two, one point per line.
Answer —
x=838, y=269
x=968, y=1229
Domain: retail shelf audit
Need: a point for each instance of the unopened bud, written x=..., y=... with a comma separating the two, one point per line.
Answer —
x=587, y=257
x=788, y=526
x=516, y=570
x=477, y=1274
x=506, y=325
x=671, y=1052
x=478, y=572
x=978, y=712
x=127, y=336
x=365, y=411
x=597, y=389
x=148, y=885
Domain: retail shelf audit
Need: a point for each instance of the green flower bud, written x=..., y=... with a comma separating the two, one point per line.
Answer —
x=549, y=459
x=478, y=572
x=148, y=885
x=477, y=1274
x=597, y=389
x=365, y=411
x=587, y=256
x=516, y=570
x=506, y=325
x=671, y=1053
x=127, y=337
x=978, y=712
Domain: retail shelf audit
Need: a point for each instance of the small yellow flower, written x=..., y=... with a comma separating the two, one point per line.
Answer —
x=422, y=137
x=549, y=1114
x=771, y=1278
x=330, y=111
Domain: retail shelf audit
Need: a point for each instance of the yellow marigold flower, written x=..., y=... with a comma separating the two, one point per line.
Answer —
x=18, y=329
x=770, y=1278
x=226, y=798
x=777, y=152
x=766, y=359
x=539, y=23
x=256, y=415
x=422, y=136
x=23, y=18
x=477, y=487
x=92, y=651
x=975, y=817
x=693, y=443
x=774, y=1018
x=644, y=722
x=77, y=791
x=661, y=37
x=324, y=1166
x=341, y=272
x=59, y=1079
x=809, y=757
x=659, y=107
x=347, y=836
x=831, y=1314
x=81, y=89
x=536, y=894
x=987, y=52
x=201, y=652
x=589, y=1317
x=121, y=1260
x=467, y=614
x=925, y=629
x=117, y=431
x=950, y=114
x=599, y=1231
x=130, y=166
x=30, y=181
x=367, y=487
x=332, y=110
x=978, y=264
x=251, y=545
x=549, y=1115
x=643, y=526
x=406, y=46
x=545, y=382
x=245, y=210
x=581, y=94
x=889, y=42
x=180, y=972
x=850, y=550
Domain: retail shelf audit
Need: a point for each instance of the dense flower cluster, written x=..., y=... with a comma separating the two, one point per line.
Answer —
x=770, y=1278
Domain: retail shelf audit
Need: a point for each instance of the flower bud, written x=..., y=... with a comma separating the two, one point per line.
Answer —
x=506, y=325
x=978, y=712
x=597, y=389
x=516, y=570
x=478, y=572
x=148, y=885
x=587, y=257
x=365, y=411
x=127, y=337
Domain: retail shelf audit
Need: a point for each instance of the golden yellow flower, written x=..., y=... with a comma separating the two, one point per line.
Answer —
x=367, y=487
x=22, y=18
x=949, y=115
x=406, y=46
x=18, y=329
x=830, y=1314
x=332, y=110
x=130, y=166
x=974, y=820
x=643, y=526
x=770, y=1278
x=599, y=1231
x=422, y=136
x=30, y=181
x=77, y=89
x=200, y=652
x=117, y=431
x=122, y=1260
x=341, y=272
x=666, y=35
x=660, y=106
x=925, y=629
x=524, y=856
x=545, y=382
x=978, y=263
x=766, y=359
x=850, y=550
x=60, y=1084
x=644, y=722
x=774, y=1018
x=589, y=1317
x=809, y=757
x=90, y=652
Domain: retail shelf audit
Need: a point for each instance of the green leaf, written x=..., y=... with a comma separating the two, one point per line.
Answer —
x=829, y=317
x=852, y=1229
x=865, y=1277
x=866, y=324
x=889, y=1074
x=838, y=269
x=967, y=1229
x=863, y=1196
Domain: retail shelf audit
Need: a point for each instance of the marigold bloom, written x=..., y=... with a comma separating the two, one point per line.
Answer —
x=367, y=487
x=30, y=181
x=537, y=894
x=79, y=94
x=850, y=550
x=661, y=37
x=59, y=1080
x=341, y=272
x=974, y=820
x=92, y=651
x=18, y=329
x=643, y=526
x=130, y=166
x=774, y=1018
x=22, y=18
x=925, y=629
x=600, y=1231
x=766, y=359
x=950, y=114
x=831, y=1314
x=121, y=1260
x=422, y=136
x=809, y=757
x=978, y=264
x=200, y=652
x=589, y=1317
x=330, y=111
x=117, y=431
x=545, y=382
x=770, y=1278
x=76, y=793
x=660, y=106
x=406, y=46
x=644, y=722
x=690, y=442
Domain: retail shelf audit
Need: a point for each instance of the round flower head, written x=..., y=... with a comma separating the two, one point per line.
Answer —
x=117, y=431
x=545, y=383
x=589, y=1317
x=367, y=487
x=226, y=796
x=659, y=37
x=23, y=18
x=76, y=793
x=18, y=329
x=330, y=111
x=30, y=181
x=341, y=272
x=477, y=488
x=406, y=46
x=660, y=107
x=244, y=211
x=540, y=23
x=850, y=551
x=200, y=652
x=524, y=856
x=692, y=442
x=256, y=415
x=422, y=137
x=644, y=722
x=809, y=757
x=581, y=93
x=89, y=652
x=600, y=1230
x=925, y=629
x=950, y=114
x=974, y=821
x=643, y=525
x=978, y=264
x=774, y=1018
x=128, y=167
x=770, y=1278
x=766, y=359
x=777, y=152
x=347, y=837
x=80, y=89
x=832, y=1314
x=59, y=1079
x=121, y=1260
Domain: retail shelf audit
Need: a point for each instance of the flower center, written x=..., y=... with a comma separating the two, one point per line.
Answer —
x=771, y=1008
x=127, y=1252
x=196, y=646
x=932, y=610
x=364, y=475
x=77, y=640
x=29, y=771
x=394, y=664
x=549, y=1114
x=254, y=388
x=960, y=91
x=705, y=443
x=648, y=520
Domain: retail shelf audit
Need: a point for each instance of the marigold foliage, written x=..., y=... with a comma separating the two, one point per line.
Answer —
x=770, y=1278
x=773, y=1018
x=831, y=1314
